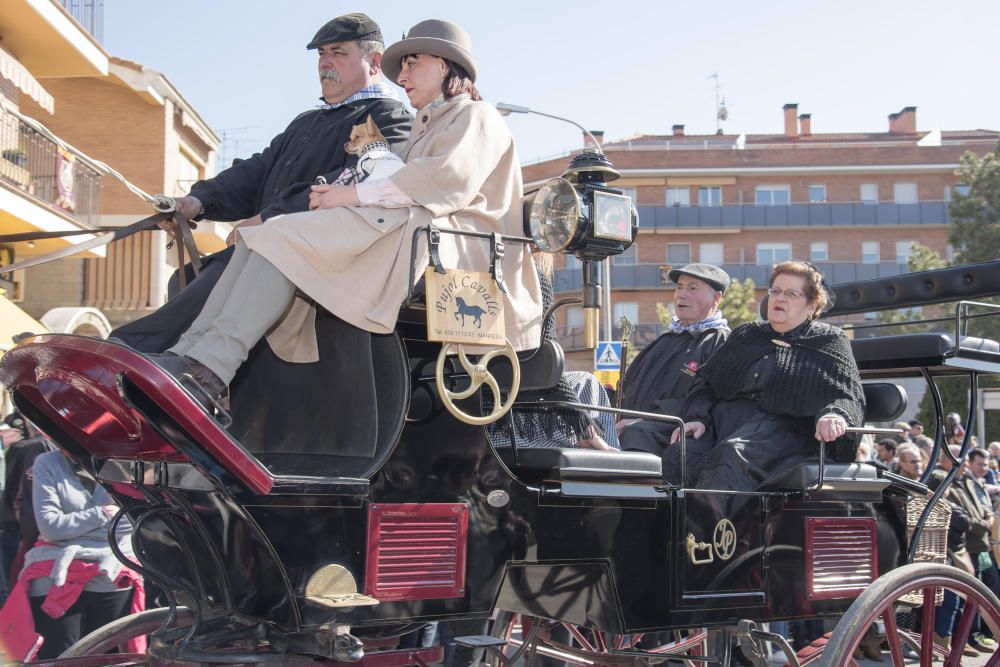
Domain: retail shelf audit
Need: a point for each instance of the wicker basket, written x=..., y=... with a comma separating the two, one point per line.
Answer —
x=933, y=544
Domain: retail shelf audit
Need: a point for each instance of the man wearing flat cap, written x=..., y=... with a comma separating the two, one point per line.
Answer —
x=659, y=377
x=277, y=179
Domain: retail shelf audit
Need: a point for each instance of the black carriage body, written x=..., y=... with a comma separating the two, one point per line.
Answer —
x=618, y=552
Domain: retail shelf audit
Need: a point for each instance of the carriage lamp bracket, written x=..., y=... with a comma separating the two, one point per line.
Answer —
x=692, y=545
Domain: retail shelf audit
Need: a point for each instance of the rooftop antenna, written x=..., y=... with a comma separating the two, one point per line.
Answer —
x=227, y=139
x=721, y=111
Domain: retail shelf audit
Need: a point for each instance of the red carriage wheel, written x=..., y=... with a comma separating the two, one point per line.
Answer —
x=881, y=599
x=530, y=637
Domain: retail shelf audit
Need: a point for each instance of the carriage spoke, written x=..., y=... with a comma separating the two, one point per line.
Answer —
x=602, y=646
x=927, y=627
x=892, y=636
x=464, y=359
x=962, y=632
x=575, y=631
x=491, y=382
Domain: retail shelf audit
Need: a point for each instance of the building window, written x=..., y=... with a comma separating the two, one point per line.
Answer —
x=904, y=193
x=817, y=194
x=869, y=193
x=188, y=173
x=870, y=253
x=711, y=253
x=678, y=254
x=574, y=317
x=904, y=250
x=772, y=195
x=819, y=251
x=678, y=197
x=710, y=196
x=630, y=193
x=963, y=189
x=630, y=256
x=572, y=262
x=769, y=254
x=629, y=309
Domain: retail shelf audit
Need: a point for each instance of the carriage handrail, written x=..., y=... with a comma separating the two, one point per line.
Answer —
x=428, y=230
x=618, y=411
x=962, y=319
x=821, y=473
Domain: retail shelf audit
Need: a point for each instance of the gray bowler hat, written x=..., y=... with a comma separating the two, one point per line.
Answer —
x=347, y=28
x=713, y=275
x=435, y=37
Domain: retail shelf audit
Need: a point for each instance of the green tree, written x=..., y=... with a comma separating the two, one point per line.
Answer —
x=975, y=235
x=921, y=258
x=739, y=304
x=975, y=215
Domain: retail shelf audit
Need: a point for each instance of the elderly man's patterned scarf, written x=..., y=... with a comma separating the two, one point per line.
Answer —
x=713, y=321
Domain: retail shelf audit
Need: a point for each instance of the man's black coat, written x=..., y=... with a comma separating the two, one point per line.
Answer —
x=271, y=182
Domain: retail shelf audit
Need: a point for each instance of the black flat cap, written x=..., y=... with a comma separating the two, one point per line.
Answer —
x=347, y=28
x=713, y=275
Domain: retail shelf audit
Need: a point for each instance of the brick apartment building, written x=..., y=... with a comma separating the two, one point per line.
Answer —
x=53, y=70
x=853, y=203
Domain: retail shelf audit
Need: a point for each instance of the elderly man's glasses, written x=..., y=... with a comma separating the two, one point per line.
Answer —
x=787, y=293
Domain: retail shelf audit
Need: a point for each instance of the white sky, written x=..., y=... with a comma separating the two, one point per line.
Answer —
x=621, y=66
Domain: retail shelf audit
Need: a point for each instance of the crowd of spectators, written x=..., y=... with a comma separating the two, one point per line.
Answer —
x=974, y=498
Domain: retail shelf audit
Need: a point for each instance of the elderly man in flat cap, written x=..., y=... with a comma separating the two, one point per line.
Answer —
x=659, y=377
x=277, y=179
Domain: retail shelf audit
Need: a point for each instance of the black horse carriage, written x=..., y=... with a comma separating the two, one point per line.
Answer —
x=333, y=514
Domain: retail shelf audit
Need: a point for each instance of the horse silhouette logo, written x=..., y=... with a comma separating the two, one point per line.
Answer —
x=474, y=312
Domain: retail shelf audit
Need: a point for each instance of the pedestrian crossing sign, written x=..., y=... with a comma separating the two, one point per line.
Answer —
x=608, y=356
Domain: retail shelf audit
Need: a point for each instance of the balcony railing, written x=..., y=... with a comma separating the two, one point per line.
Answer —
x=571, y=338
x=89, y=14
x=841, y=214
x=34, y=164
x=654, y=276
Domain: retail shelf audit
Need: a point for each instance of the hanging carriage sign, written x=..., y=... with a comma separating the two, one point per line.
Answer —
x=464, y=307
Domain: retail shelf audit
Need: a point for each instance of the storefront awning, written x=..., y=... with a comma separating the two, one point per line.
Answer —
x=18, y=74
x=14, y=321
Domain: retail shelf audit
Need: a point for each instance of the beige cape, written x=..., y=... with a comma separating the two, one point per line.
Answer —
x=462, y=168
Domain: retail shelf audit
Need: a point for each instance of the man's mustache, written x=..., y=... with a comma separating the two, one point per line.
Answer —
x=329, y=74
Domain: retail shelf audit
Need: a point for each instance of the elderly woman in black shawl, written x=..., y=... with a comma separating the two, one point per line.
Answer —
x=759, y=405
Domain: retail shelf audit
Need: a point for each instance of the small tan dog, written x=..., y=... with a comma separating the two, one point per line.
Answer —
x=375, y=159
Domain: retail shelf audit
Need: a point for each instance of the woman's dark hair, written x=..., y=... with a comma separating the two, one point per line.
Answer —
x=457, y=81
x=815, y=288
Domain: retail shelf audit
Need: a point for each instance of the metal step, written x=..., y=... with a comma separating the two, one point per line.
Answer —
x=480, y=641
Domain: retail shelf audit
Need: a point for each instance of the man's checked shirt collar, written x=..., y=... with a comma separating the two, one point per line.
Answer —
x=368, y=92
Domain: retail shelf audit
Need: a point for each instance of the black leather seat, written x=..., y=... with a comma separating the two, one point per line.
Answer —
x=540, y=368
x=586, y=464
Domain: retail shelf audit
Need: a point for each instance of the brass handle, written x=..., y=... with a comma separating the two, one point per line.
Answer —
x=694, y=545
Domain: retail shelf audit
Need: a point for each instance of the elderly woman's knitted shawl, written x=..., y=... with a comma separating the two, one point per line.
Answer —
x=816, y=372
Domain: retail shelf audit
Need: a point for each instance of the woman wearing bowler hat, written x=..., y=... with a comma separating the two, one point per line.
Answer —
x=351, y=253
